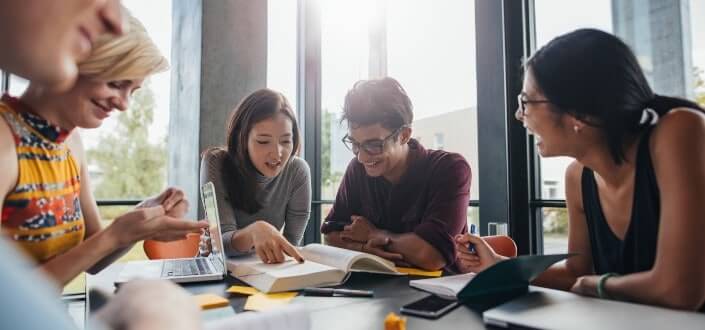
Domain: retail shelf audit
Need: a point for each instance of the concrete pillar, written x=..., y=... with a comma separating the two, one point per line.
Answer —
x=658, y=31
x=219, y=56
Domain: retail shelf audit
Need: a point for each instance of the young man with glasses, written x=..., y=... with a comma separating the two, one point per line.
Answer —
x=397, y=199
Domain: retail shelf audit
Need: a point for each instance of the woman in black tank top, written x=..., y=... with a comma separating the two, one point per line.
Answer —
x=635, y=190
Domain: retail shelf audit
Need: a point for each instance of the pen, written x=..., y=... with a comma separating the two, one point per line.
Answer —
x=330, y=292
x=471, y=246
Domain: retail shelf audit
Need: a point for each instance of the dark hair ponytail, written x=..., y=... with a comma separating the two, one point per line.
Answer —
x=594, y=76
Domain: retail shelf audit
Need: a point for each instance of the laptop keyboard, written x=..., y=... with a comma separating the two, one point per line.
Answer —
x=189, y=267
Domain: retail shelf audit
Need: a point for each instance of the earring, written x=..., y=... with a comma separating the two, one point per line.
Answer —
x=576, y=129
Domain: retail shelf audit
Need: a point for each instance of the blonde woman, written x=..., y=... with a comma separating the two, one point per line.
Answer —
x=47, y=205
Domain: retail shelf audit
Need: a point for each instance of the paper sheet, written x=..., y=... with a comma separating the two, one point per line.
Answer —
x=293, y=317
x=241, y=289
x=209, y=300
x=419, y=272
x=262, y=301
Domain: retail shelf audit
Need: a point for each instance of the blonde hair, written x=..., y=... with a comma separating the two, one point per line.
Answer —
x=130, y=56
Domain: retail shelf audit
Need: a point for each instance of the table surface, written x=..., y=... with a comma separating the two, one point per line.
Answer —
x=391, y=292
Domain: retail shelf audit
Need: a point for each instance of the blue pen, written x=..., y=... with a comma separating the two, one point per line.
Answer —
x=471, y=246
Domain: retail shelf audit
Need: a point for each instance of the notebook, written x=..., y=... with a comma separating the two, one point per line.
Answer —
x=506, y=276
x=324, y=266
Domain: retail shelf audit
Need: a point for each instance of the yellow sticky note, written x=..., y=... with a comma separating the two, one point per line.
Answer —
x=246, y=290
x=420, y=272
x=261, y=301
x=394, y=322
x=209, y=300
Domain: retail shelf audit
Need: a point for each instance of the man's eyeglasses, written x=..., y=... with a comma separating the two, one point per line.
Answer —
x=523, y=101
x=371, y=147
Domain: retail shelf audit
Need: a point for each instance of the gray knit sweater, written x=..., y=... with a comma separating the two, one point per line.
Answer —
x=285, y=199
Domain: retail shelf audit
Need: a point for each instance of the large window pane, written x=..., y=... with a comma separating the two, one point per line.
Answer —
x=344, y=60
x=127, y=153
x=698, y=46
x=431, y=51
x=281, y=47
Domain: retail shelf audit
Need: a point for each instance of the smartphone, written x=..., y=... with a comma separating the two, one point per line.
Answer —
x=430, y=307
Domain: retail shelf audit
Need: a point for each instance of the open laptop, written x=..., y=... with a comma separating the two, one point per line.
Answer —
x=553, y=309
x=208, y=265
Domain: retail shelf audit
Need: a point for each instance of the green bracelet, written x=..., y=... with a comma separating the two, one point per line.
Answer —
x=601, y=285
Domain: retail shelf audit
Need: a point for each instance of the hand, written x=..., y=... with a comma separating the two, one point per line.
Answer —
x=586, y=285
x=151, y=223
x=377, y=247
x=483, y=257
x=360, y=230
x=173, y=200
x=151, y=304
x=270, y=245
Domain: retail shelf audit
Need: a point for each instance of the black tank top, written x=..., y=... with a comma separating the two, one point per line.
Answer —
x=637, y=252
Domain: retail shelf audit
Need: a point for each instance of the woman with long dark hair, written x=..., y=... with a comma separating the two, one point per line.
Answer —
x=262, y=187
x=635, y=190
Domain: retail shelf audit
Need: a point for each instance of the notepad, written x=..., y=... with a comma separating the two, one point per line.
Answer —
x=511, y=276
x=240, y=289
x=419, y=272
x=264, y=301
x=209, y=300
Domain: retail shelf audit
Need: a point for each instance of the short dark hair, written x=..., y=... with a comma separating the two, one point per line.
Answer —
x=594, y=76
x=378, y=101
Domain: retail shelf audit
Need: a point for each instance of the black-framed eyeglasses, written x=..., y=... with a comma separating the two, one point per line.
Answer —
x=372, y=147
x=523, y=101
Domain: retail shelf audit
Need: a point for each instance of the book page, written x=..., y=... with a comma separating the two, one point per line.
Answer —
x=329, y=255
x=289, y=268
x=447, y=286
x=293, y=317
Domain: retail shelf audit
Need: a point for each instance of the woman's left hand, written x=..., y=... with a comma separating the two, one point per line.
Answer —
x=586, y=285
x=172, y=199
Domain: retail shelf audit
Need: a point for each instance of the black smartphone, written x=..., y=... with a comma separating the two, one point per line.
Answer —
x=430, y=307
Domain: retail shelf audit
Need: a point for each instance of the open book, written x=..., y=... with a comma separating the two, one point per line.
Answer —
x=324, y=266
x=511, y=276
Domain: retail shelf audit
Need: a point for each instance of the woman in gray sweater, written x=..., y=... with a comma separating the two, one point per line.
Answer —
x=263, y=188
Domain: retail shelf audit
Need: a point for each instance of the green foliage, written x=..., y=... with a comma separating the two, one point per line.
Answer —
x=555, y=220
x=329, y=178
x=131, y=166
x=699, y=87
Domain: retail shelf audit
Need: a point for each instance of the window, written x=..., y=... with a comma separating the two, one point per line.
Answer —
x=697, y=30
x=281, y=48
x=431, y=51
x=668, y=43
x=345, y=49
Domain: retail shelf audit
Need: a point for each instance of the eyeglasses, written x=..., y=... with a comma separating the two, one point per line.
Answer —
x=371, y=147
x=522, y=101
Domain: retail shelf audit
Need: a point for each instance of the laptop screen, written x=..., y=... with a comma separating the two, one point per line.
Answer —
x=213, y=249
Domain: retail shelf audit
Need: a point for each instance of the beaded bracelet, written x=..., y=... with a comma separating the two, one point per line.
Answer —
x=601, y=285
